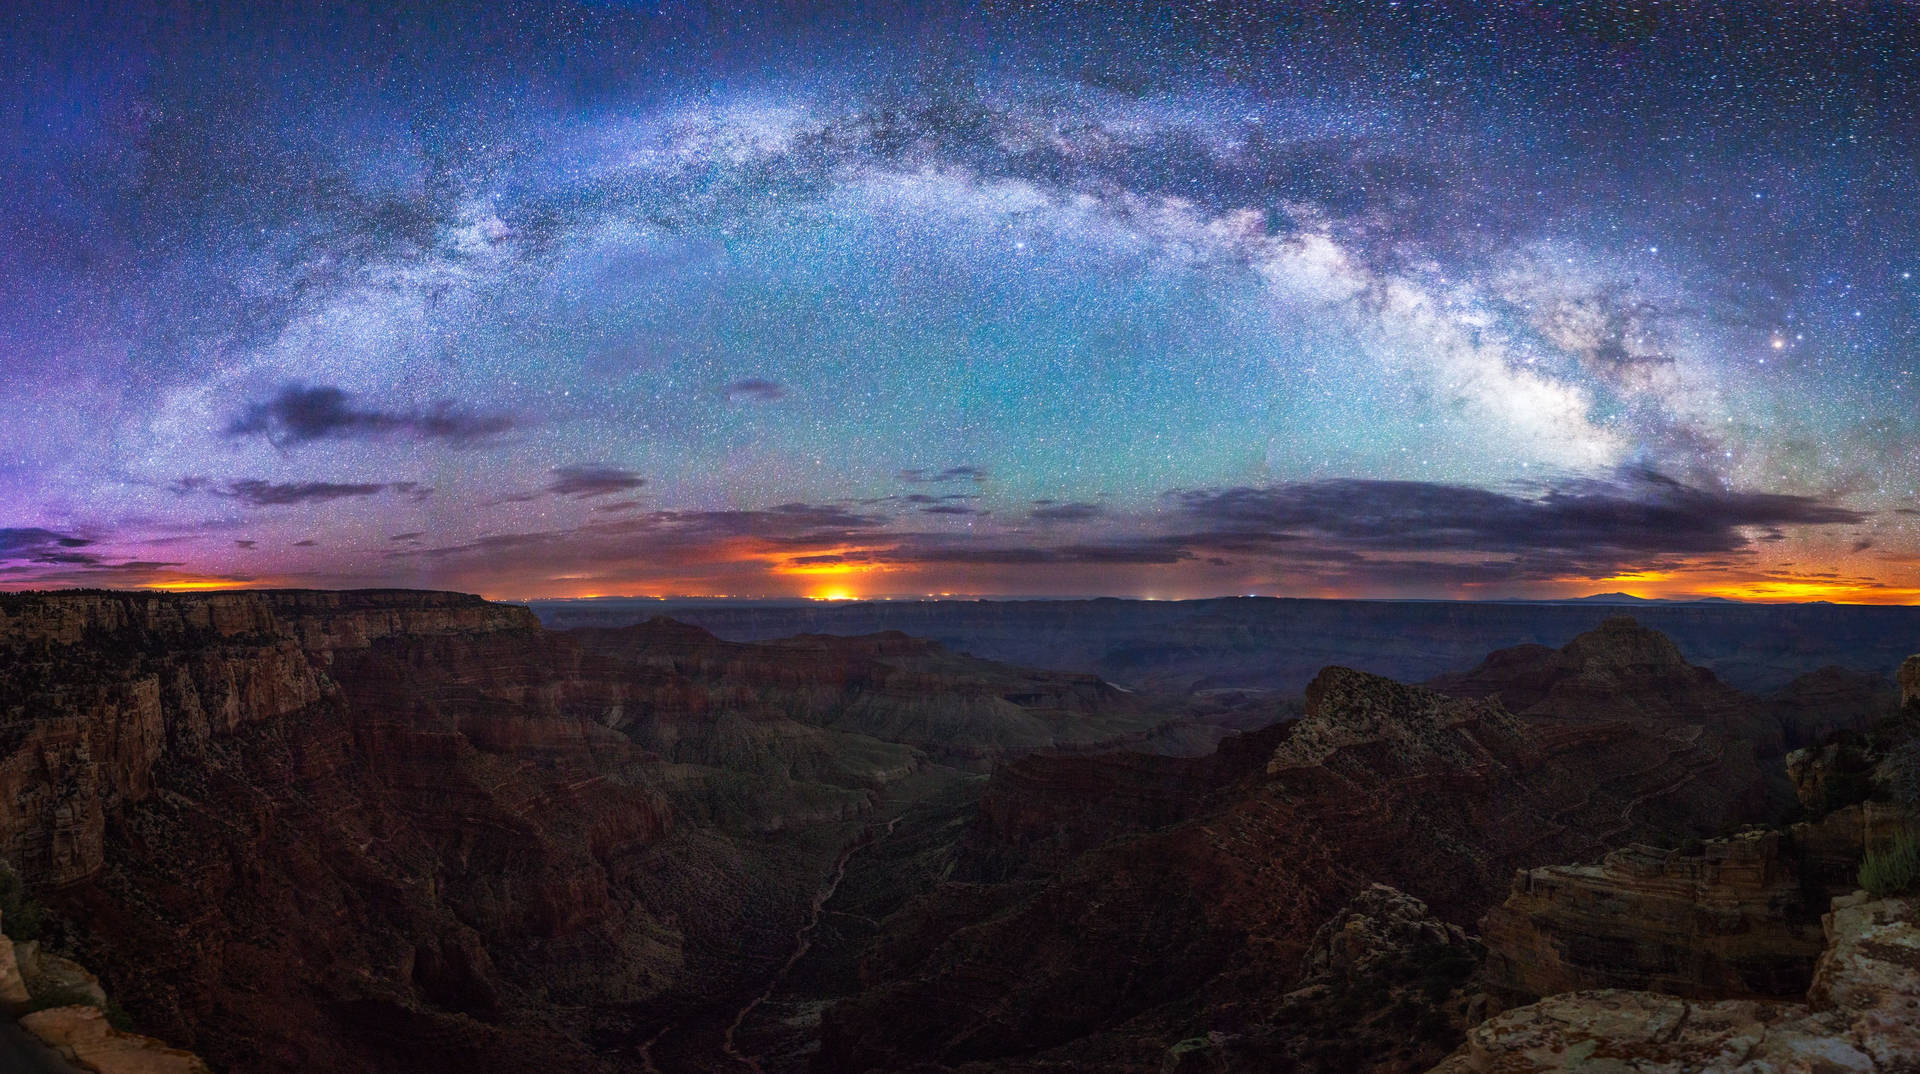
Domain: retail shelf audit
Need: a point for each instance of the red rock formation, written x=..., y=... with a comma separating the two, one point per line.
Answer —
x=1858, y=1016
x=1200, y=926
x=1732, y=919
x=385, y=830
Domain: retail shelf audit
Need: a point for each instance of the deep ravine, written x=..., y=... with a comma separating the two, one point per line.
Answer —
x=802, y=943
x=802, y=940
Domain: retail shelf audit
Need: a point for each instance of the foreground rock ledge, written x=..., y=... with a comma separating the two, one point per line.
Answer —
x=1862, y=1014
x=82, y=1036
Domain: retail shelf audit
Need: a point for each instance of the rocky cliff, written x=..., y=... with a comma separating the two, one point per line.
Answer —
x=385, y=830
x=1858, y=1016
x=1736, y=917
x=1199, y=925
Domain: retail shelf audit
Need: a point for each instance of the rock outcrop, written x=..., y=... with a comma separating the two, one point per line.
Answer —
x=1617, y=671
x=1107, y=957
x=371, y=831
x=1910, y=680
x=1726, y=919
x=81, y=1035
x=1735, y=917
x=1858, y=1016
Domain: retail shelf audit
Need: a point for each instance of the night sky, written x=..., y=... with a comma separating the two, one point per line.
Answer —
x=1356, y=299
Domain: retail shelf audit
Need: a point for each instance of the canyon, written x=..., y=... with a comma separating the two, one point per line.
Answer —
x=1281, y=643
x=377, y=830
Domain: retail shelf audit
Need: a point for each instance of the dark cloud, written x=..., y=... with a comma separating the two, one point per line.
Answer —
x=255, y=492
x=586, y=482
x=308, y=543
x=1566, y=527
x=48, y=557
x=410, y=537
x=246, y=544
x=924, y=476
x=15, y=541
x=756, y=390
x=1051, y=511
x=301, y=414
x=951, y=509
x=661, y=538
x=930, y=550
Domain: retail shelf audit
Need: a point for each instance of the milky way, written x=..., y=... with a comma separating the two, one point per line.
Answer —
x=1164, y=300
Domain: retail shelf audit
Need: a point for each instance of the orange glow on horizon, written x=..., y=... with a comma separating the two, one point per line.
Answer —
x=1786, y=592
x=199, y=585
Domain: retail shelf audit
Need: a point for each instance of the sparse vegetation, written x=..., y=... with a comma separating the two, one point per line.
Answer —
x=117, y=1016
x=20, y=915
x=1893, y=868
x=73, y=996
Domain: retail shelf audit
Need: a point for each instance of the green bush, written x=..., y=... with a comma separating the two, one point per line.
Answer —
x=74, y=996
x=20, y=916
x=1892, y=869
x=117, y=1016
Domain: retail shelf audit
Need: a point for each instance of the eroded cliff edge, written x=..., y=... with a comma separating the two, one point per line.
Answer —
x=379, y=830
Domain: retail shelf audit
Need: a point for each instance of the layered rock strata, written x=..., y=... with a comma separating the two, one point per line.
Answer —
x=361, y=832
x=1858, y=1016
x=1193, y=916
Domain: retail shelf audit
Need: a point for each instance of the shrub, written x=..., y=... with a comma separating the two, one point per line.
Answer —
x=20, y=915
x=1892, y=869
x=117, y=1016
x=73, y=996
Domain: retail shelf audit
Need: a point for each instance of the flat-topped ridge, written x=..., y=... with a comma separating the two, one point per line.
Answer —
x=315, y=618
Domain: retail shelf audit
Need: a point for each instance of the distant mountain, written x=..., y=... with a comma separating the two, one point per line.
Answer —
x=1280, y=644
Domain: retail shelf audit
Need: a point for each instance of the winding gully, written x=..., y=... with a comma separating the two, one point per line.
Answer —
x=802, y=943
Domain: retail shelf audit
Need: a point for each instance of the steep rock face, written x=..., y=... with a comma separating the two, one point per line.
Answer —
x=98, y=687
x=1729, y=918
x=1350, y=714
x=1910, y=680
x=1199, y=927
x=371, y=831
x=1729, y=921
x=1858, y=1016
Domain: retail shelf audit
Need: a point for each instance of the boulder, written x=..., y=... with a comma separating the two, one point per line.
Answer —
x=81, y=1035
x=1859, y=1016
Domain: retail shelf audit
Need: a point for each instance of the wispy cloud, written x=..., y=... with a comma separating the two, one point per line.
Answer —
x=586, y=482
x=255, y=492
x=756, y=390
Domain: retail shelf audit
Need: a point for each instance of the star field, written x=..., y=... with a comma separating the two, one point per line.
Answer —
x=863, y=300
